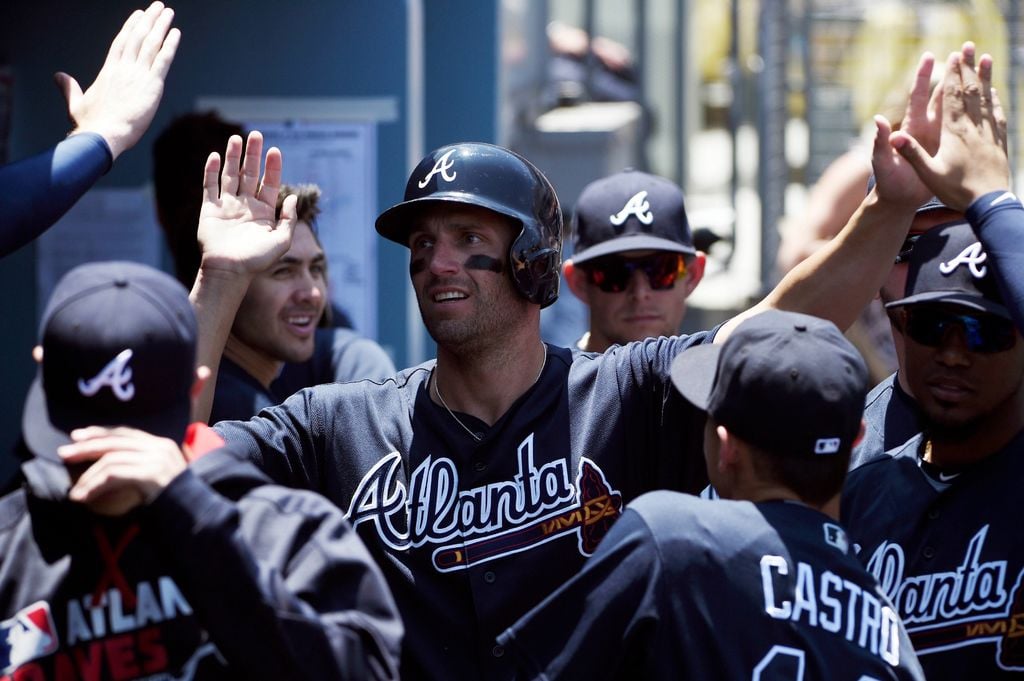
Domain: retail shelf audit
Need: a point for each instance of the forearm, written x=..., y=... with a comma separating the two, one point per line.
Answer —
x=998, y=220
x=215, y=298
x=314, y=605
x=839, y=280
x=37, y=191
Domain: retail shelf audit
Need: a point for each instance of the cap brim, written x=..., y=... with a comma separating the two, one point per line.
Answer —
x=631, y=242
x=43, y=437
x=693, y=373
x=967, y=300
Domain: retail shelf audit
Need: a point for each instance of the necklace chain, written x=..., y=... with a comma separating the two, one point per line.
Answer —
x=477, y=437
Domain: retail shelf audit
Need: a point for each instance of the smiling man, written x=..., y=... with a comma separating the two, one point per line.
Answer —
x=634, y=264
x=276, y=321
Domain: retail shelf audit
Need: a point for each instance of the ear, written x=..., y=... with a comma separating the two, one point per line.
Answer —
x=37, y=354
x=728, y=455
x=577, y=281
x=695, y=271
x=860, y=433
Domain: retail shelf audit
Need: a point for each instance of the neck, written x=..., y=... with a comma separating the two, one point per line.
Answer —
x=255, y=363
x=486, y=386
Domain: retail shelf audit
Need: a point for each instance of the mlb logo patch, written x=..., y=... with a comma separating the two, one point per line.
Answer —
x=827, y=445
x=27, y=636
x=835, y=536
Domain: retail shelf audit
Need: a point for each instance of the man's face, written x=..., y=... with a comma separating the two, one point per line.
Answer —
x=959, y=390
x=280, y=311
x=641, y=310
x=458, y=257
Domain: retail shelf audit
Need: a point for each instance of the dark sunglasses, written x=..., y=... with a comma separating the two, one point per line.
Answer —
x=612, y=273
x=907, y=248
x=984, y=333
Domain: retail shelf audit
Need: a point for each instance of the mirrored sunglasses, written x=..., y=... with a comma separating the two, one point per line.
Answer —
x=612, y=273
x=983, y=333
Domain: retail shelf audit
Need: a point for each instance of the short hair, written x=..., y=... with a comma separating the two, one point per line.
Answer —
x=179, y=156
x=307, y=208
x=814, y=479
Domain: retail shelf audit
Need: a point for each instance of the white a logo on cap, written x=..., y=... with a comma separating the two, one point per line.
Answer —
x=117, y=375
x=637, y=205
x=442, y=165
x=972, y=256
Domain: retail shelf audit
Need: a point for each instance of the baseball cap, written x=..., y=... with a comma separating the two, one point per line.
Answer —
x=630, y=211
x=118, y=344
x=948, y=265
x=788, y=383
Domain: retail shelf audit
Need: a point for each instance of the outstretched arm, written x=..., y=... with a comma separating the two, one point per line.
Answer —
x=239, y=237
x=837, y=281
x=109, y=117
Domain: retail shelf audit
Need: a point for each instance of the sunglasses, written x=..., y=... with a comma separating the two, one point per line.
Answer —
x=612, y=273
x=907, y=248
x=984, y=333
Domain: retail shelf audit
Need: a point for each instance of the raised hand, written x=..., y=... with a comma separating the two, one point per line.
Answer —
x=971, y=157
x=120, y=103
x=895, y=178
x=128, y=467
x=238, y=232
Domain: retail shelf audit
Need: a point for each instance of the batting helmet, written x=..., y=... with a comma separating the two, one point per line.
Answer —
x=495, y=178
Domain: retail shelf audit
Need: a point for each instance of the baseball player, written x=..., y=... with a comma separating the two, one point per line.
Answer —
x=109, y=118
x=634, y=263
x=935, y=520
x=482, y=480
x=118, y=561
x=649, y=604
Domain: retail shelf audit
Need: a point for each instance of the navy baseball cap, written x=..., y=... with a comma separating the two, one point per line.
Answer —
x=119, y=343
x=788, y=383
x=949, y=265
x=630, y=211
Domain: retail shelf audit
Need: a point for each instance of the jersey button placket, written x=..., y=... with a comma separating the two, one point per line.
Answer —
x=928, y=552
x=490, y=577
x=479, y=466
x=498, y=651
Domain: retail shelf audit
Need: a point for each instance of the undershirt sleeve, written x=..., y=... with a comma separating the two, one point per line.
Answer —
x=998, y=220
x=37, y=191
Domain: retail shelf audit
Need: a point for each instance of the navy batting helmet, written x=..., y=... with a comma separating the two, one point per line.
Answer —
x=492, y=177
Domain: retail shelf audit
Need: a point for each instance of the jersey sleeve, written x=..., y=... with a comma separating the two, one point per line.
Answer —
x=598, y=621
x=998, y=220
x=37, y=191
x=282, y=441
x=280, y=581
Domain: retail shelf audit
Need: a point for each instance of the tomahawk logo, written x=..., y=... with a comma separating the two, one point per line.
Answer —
x=117, y=375
x=441, y=166
x=637, y=206
x=972, y=256
x=27, y=636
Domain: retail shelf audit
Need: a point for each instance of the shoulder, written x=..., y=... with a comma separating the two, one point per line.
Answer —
x=355, y=357
x=13, y=508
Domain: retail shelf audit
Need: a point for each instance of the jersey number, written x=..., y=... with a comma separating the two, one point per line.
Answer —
x=783, y=663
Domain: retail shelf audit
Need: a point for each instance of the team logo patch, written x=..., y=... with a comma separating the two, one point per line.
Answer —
x=117, y=376
x=473, y=526
x=27, y=636
x=638, y=206
x=973, y=257
x=441, y=167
